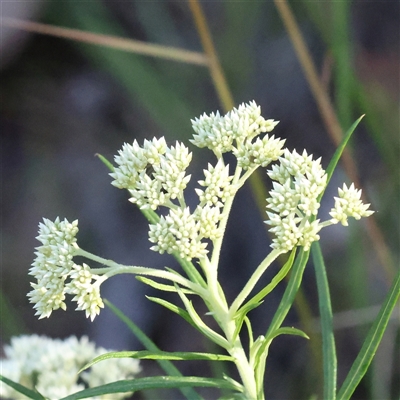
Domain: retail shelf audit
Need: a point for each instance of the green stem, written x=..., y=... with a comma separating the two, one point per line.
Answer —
x=114, y=268
x=254, y=280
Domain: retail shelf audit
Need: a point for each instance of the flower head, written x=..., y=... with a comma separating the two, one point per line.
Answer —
x=87, y=293
x=178, y=231
x=294, y=201
x=57, y=274
x=349, y=204
x=222, y=134
x=154, y=174
x=217, y=183
x=299, y=180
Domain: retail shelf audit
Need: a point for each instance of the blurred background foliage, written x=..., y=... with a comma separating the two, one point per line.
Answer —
x=63, y=101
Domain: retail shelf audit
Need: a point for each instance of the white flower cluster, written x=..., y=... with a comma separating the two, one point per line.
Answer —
x=155, y=175
x=293, y=202
x=51, y=366
x=299, y=180
x=348, y=204
x=54, y=265
x=234, y=132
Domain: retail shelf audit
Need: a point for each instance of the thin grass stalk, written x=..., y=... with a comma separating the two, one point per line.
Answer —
x=217, y=75
x=124, y=44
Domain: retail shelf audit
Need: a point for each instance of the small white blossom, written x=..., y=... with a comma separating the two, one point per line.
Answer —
x=261, y=152
x=209, y=218
x=87, y=293
x=178, y=231
x=56, y=273
x=51, y=366
x=52, y=265
x=349, y=204
x=132, y=160
x=211, y=133
x=222, y=133
x=217, y=182
x=294, y=199
x=154, y=174
x=286, y=230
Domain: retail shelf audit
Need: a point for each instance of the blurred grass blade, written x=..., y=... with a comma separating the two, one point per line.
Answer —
x=166, y=365
x=11, y=321
x=153, y=382
x=371, y=343
x=325, y=310
x=338, y=153
x=120, y=43
x=22, y=389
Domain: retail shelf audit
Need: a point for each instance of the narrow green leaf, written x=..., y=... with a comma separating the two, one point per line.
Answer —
x=371, y=343
x=159, y=355
x=172, y=307
x=107, y=163
x=338, y=153
x=201, y=326
x=282, y=310
x=166, y=365
x=153, y=382
x=241, y=315
x=291, y=290
x=325, y=310
x=32, y=394
x=161, y=286
x=271, y=286
x=262, y=348
x=287, y=331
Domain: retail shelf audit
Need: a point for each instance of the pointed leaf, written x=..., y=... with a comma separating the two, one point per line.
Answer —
x=32, y=394
x=241, y=315
x=107, y=163
x=153, y=382
x=159, y=355
x=325, y=310
x=257, y=299
x=201, y=326
x=290, y=291
x=161, y=286
x=172, y=307
x=338, y=153
x=287, y=331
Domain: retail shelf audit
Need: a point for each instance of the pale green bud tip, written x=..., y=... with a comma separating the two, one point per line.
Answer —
x=51, y=366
